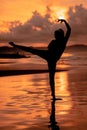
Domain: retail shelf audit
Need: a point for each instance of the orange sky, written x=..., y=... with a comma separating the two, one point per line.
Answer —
x=21, y=10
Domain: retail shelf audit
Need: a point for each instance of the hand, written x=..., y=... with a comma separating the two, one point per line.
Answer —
x=61, y=20
x=12, y=43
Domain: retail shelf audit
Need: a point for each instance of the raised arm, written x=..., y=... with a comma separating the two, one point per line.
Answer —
x=68, y=29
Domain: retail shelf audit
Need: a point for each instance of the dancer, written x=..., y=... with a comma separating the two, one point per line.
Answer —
x=55, y=49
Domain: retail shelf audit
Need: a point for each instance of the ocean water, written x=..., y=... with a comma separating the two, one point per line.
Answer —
x=25, y=100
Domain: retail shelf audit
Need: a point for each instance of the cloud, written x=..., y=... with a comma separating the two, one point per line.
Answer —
x=37, y=29
x=77, y=17
x=40, y=29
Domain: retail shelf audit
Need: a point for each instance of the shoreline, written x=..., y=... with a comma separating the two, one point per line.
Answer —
x=23, y=72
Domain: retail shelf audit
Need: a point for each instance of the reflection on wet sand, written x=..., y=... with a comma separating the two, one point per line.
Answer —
x=25, y=102
x=62, y=84
x=53, y=124
x=62, y=91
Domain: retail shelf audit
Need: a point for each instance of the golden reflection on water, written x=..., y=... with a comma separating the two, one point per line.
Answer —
x=62, y=90
x=62, y=83
x=25, y=99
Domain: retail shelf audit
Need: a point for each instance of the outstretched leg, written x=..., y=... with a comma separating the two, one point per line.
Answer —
x=42, y=53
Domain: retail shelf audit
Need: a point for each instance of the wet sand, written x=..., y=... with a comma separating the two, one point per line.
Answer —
x=7, y=70
x=26, y=102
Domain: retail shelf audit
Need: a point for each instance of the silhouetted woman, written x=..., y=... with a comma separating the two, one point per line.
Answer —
x=55, y=49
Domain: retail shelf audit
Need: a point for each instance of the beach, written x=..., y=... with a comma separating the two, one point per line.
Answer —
x=25, y=95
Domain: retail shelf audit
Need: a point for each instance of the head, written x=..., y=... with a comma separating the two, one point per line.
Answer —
x=59, y=34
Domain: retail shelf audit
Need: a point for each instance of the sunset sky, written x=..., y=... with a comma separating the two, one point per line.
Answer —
x=34, y=21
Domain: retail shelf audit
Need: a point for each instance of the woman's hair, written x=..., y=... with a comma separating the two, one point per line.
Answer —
x=59, y=34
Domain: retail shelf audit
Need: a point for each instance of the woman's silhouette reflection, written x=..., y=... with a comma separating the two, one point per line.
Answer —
x=53, y=124
x=55, y=49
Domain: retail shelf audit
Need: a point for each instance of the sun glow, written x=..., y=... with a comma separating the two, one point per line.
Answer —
x=61, y=17
x=59, y=13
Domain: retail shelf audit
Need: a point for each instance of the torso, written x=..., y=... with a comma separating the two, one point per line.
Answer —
x=56, y=49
